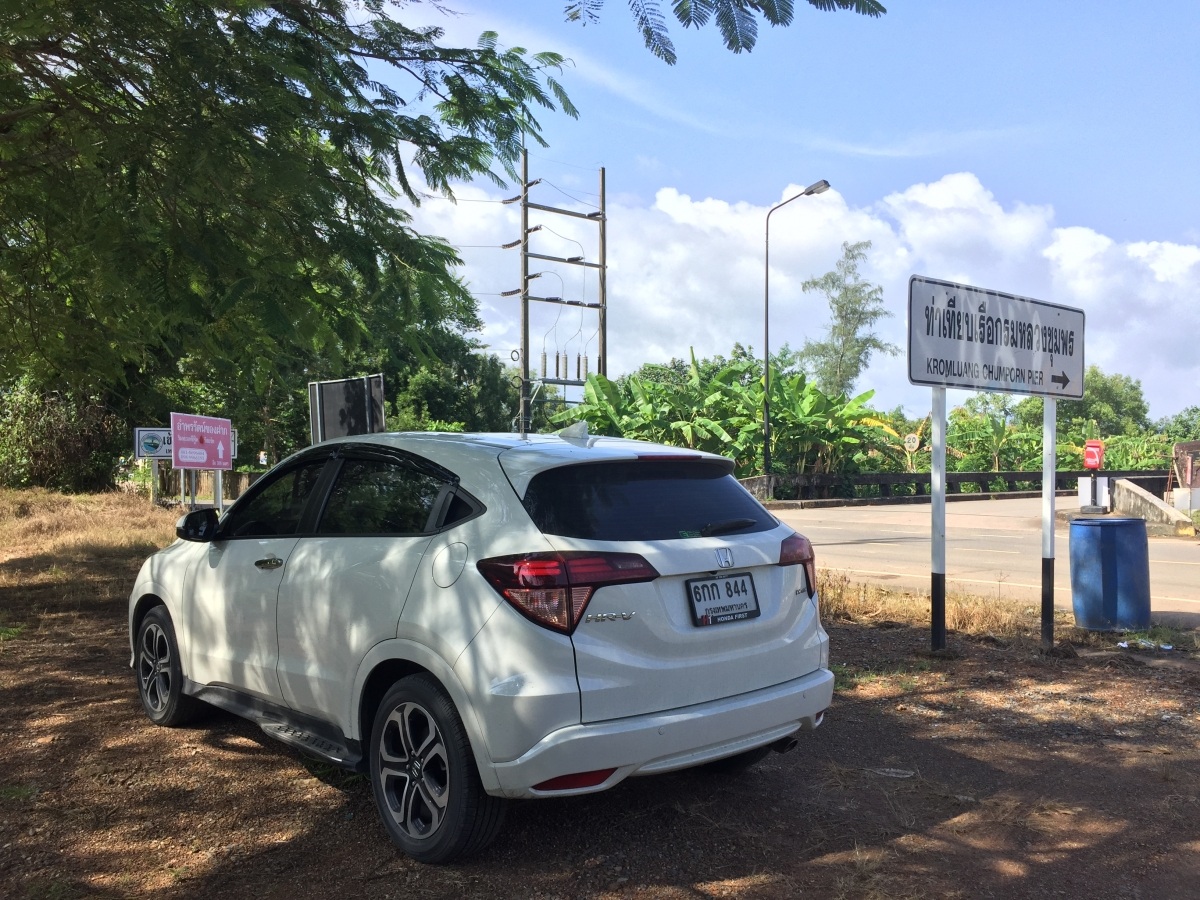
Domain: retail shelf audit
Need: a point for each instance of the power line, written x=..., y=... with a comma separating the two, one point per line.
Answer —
x=457, y=199
x=560, y=162
x=571, y=196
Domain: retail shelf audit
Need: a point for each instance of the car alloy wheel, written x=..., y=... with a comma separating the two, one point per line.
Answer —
x=423, y=775
x=159, y=673
x=414, y=771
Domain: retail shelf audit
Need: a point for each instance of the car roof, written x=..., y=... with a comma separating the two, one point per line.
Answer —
x=523, y=457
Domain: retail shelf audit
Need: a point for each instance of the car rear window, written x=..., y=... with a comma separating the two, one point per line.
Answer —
x=645, y=500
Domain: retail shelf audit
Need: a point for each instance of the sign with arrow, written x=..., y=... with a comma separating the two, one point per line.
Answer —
x=968, y=337
x=201, y=442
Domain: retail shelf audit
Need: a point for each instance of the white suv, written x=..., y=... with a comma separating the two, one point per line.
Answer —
x=470, y=618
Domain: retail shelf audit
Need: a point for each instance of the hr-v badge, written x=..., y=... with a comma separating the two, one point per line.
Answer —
x=724, y=557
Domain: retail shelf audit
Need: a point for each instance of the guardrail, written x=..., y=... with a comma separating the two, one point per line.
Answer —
x=899, y=485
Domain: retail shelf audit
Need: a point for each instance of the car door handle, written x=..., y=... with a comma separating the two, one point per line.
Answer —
x=271, y=562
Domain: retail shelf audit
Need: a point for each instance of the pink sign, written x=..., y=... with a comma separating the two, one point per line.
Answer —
x=201, y=442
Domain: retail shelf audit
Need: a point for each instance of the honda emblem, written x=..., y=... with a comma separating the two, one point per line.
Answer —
x=724, y=557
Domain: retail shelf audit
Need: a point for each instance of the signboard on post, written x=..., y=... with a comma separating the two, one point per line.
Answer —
x=967, y=337
x=155, y=443
x=346, y=406
x=152, y=443
x=201, y=442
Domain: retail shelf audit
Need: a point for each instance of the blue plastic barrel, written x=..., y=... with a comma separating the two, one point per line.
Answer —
x=1110, y=574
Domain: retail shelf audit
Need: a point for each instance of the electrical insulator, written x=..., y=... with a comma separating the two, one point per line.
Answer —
x=543, y=363
x=585, y=365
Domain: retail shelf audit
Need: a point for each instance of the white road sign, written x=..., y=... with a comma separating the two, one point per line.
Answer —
x=968, y=337
x=152, y=443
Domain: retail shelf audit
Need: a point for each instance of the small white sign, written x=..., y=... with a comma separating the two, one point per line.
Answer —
x=912, y=443
x=152, y=443
x=968, y=337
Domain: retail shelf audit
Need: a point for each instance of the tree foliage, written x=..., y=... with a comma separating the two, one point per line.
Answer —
x=837, y=361
x=204, y=205
x=737, y=20
x=1111, y=405
x=57, y=440
x=719, y=409
x=1181, y=427
x=192, y=176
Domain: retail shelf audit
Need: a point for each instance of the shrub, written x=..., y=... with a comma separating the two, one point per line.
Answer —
x=53, y=439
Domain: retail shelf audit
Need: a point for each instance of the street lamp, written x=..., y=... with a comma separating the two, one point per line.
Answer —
x=818, y=188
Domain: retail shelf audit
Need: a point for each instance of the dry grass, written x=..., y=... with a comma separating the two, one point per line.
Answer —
x=986, y=619
x=970, y=615
x=117, y=524
x=61, y=555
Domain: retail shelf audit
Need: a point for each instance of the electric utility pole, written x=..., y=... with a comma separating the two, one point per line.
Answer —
x=601, y=268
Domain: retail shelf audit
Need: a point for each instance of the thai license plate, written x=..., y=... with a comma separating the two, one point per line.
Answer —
x=722, y=598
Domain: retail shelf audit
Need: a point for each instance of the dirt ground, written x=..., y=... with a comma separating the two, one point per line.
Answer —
x=995, y=772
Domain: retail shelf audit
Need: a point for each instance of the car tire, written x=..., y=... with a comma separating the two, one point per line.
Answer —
x=739, y=762
x=423, y=776
x=160, y=673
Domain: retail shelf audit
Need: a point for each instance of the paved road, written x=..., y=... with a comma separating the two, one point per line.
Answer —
x=993, y=549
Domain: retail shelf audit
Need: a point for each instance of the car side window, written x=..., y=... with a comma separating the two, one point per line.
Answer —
x=275, y=510
x=372, y=496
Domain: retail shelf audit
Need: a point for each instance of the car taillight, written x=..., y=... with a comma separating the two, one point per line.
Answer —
x=796, y=550
x=553, y=589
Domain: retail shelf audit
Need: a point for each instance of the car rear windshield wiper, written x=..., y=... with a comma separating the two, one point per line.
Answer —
x=727, y=526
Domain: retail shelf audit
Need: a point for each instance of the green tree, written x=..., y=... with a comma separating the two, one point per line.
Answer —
x=854, y=307
x=737, y=20
x=186, y=177
x=721, y=412
x=677, y=372
x=985, y=439
x=1183, y=426
x=1111, y=405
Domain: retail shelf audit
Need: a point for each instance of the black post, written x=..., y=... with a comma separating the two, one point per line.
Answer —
x=937, y=611
x=1047, y=604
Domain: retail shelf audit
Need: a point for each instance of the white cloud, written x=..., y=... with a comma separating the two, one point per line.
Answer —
x=925, y=144
x=687, y=272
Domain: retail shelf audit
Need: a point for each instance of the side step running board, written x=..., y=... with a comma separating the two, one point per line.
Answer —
x=312, y=743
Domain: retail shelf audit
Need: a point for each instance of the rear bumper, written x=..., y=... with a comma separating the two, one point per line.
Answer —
x=666, y=741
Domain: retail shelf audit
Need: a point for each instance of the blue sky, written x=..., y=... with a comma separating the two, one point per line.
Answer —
x=1042, y=149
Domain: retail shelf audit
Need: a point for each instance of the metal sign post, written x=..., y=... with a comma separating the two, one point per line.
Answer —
x=1049, y=468
x=937, y=524
x=152, y=444
x=968, y=337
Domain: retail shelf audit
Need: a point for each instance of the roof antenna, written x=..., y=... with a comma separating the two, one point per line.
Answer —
x=577, y=431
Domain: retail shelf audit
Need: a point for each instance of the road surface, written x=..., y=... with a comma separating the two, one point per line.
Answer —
x=993, y=549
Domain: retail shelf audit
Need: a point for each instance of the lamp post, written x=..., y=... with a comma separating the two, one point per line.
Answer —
x=818, y=188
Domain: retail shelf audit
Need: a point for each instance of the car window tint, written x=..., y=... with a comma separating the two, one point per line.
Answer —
x=379, y=497
x=275, y=509
x=458, y=510
x=649, y=500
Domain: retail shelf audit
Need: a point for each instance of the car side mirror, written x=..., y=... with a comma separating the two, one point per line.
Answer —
x=199, y=525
